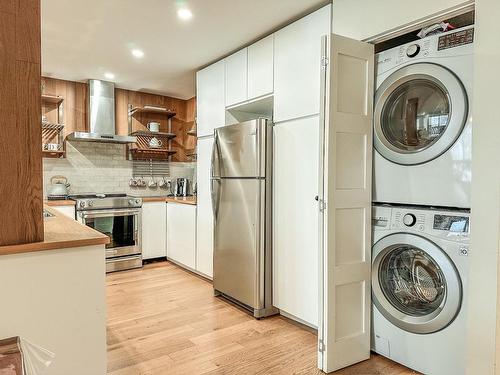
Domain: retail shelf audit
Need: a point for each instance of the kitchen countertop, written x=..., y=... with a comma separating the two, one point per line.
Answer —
x=60, y=232
x=61, y=202
x=184, y=200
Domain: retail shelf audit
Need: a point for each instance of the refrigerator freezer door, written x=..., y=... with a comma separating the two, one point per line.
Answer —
x=240, y=150
x=238, y=241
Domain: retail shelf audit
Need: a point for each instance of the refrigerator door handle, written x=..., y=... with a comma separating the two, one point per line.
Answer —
x=215, y=160
x=214, y=192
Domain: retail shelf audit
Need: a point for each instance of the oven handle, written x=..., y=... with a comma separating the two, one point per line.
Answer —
x=107, y=213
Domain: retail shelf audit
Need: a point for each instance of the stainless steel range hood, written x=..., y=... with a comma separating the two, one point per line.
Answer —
x=101, y=116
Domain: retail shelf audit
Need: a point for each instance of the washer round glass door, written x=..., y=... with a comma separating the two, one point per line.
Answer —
x=415, y=284
x=420, y=111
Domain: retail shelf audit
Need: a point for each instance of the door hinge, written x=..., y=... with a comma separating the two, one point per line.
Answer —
x=322, y=205
x=324, y=62
x=321, y=346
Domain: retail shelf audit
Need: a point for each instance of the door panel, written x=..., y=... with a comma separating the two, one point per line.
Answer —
x=260, y=67
x=345, y=193
x=236, y=77
x=238, y=153
x=154, y=230
x=181, y=234
x=211, y=111
x=204, y=216
x=237, y=234
x=295, y=223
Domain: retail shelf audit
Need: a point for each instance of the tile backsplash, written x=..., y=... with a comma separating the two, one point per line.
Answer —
x=103, y=168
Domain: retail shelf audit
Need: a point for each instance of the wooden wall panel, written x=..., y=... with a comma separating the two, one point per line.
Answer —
x=20, y=130
x=75, y=112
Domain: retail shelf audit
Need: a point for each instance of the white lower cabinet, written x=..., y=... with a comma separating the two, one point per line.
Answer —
x=204, y=216
x=67, y=210
x=295, y=221
x=181, y=234
x=154, y=230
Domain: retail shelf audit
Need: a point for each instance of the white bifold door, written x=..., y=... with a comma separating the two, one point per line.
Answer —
x=345, y=202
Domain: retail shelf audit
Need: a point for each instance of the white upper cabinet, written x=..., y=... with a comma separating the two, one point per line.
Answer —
x=236, y=78
x=297, y=64
x=154, y=230
x=210, y=101
x=204, y=217
x=260, y=68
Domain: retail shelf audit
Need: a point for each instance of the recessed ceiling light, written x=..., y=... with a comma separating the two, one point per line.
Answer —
x=184, y=14
x=137, y=53
x=109, y=75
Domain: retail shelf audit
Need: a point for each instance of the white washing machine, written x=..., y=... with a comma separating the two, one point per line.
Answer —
x=422, y=121
x=419, y=283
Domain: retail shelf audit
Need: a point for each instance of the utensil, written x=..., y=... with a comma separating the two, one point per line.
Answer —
x=58, y=186
x=132, y=182
x=152, y=184
x=52, y=146
x=155, y=143
x=154, y=126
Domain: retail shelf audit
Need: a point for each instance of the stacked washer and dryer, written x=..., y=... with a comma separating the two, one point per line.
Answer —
x=421, y=210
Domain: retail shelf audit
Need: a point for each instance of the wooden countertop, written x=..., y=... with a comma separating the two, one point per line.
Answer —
x=62, y=202
x=184, y=200
x=60, y=232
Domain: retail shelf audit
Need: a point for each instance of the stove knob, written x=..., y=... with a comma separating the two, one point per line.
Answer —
x=137, y=201
x=409, y=220
x=133, y=202
x=412, y=50
x=90, y=203
x=82, y=204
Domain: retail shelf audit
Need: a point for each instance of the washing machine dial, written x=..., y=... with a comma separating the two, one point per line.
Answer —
x=412, y=50
x=409, y=220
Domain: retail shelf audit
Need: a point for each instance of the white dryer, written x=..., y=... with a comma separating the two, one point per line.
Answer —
x=419, y=284
x=422, y=121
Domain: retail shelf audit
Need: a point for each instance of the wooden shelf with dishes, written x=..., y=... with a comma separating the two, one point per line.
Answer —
x=151, y=109
x=52, y=130
x=151, y=145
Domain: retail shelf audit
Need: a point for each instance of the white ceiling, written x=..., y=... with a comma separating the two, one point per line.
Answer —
x=86, y=38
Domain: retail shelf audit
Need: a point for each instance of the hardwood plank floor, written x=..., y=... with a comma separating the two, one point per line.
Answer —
x=164, y=320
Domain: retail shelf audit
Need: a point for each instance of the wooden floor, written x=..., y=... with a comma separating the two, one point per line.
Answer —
x=164, y=320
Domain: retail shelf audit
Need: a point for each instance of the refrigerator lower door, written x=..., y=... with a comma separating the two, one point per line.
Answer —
x=239, y=240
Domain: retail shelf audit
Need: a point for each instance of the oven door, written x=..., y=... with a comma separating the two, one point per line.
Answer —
x=122, y=226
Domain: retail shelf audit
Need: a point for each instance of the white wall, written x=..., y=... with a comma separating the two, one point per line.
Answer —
x=485, y=192
x=362, y=19
x=56, y=299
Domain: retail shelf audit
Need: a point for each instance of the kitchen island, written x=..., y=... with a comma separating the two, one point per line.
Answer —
x=53, y=295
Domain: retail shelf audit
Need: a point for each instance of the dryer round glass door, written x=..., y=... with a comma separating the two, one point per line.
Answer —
x=415, y=284
x=420, y=111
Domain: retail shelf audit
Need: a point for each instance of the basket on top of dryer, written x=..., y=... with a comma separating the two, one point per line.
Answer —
x=422, y=121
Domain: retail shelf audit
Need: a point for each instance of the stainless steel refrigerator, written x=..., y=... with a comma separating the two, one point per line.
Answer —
x=242, y=202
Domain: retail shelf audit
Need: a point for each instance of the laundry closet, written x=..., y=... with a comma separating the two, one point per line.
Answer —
x=395, y=196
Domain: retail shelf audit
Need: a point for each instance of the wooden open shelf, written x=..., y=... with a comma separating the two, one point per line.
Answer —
x=53, y=154
x=164, y=111
x=149, y=135
x=52, y=99
x=151, y=153
x=192, y=132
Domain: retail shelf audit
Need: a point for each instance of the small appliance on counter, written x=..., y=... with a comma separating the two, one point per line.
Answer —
x=119, y=217
x=179, y=187
x=58, y=188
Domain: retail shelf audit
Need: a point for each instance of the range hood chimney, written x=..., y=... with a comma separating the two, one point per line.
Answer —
x=101, y=116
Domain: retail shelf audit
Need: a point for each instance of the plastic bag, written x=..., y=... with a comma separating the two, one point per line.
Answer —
x=36, y=359
x=435, y=29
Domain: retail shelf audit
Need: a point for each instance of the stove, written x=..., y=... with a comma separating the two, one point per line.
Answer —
x=105, y=201
x=119, y=217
